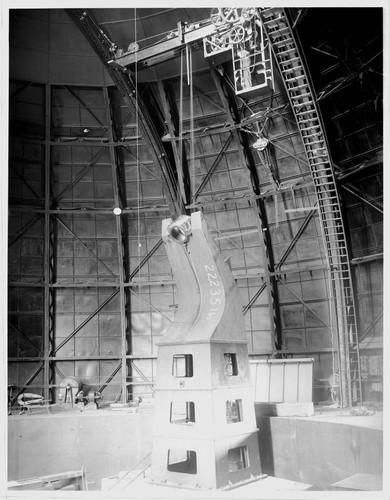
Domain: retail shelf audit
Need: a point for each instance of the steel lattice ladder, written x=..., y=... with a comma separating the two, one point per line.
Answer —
x=290, y=64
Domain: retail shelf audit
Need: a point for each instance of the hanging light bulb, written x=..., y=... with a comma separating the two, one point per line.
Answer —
x=117, y=211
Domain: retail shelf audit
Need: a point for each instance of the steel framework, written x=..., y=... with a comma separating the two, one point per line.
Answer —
x=303, y=104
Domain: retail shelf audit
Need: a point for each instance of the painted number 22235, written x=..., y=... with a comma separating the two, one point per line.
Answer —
x=215, y=291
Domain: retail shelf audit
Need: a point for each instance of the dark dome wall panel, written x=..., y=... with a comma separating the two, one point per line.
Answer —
x=47, y=50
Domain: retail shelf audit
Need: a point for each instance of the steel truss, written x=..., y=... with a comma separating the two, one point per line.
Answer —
x=298, y=88
x=103, y=47
x=48, y=355
x=258, y=205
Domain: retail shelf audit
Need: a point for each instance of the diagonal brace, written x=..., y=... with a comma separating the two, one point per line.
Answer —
x=24, y=229
x=83, y=244
x=78, y=99
x=92, y=315
x=80, y=175
x=29, y=381
x=25, y=336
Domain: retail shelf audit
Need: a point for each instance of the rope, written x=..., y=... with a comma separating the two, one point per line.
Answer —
x=333, y=392
x=192, y=136
x=181, y=115
x=137, y=153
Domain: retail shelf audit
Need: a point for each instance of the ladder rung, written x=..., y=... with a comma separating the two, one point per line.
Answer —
x=312, y=135
x=315, y=156
x=340, y=234
x=318, y=141
x=335, y=199
x=300, y=96
x=303, y=129
x=321, y=170
x=335, y=241
x=283, y=28
x=307, y=120
x=297, y=87
x=339, y=248
x=284, y=40
x=331, y=233
x=330, y=205
x=290, y=60
x=287, y=51
x=295, y=77
x=317, y=177
x=309, y=103
x=316, y=150
x=326, y=175
x=315, y=164
x=323, y=211
x=331, y=226
x=324, y=183
x=271, y=12
x=311, y=113
x=336, y=227
x=298, y=108
x=306, y=112
x=293, y=70
x=326, y=205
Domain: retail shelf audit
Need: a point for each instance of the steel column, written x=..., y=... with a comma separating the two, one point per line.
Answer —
x=48, y=297
x=180, y=159
x=120, y=245
x=258, y=206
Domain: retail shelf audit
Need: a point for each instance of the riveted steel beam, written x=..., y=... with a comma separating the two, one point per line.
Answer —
x=171, y=119
x=106, y=383
x=121, y=233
